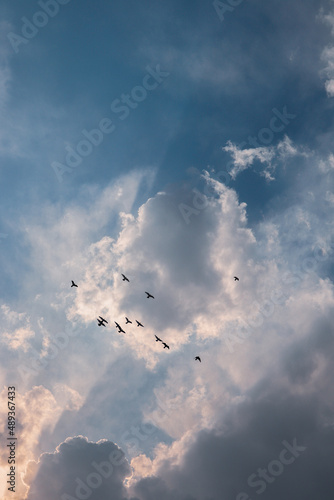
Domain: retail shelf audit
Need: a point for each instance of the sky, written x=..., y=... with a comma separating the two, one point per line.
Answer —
x=181, y=144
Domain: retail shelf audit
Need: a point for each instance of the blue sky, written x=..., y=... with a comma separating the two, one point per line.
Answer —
x=180, y=147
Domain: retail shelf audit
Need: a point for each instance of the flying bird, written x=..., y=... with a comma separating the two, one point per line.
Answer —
x=73, y=284
x=149, y=295
x=236, y=278
x=198, y=359
x=101, y=321
x=165, y=345
x=120, y=329
x=139, y=324
x=157, y=339
x=127, y=320
x=125, y=278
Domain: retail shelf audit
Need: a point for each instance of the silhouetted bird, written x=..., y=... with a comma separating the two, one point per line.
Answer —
x=149, y=295
x=125, y=278
x=165, y=345
x=139, y=324
x=101, y=321
x=120, y=329
x=73, y=284
x=198, y=359
x=127, y=320
x=157, y=339
x=236, y=278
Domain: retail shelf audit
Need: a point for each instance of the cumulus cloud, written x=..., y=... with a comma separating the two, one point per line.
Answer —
x=160, y=253
x=78, y=468
x=214, y=308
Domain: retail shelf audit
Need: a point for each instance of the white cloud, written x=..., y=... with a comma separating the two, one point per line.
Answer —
x=244, y=158
x=16, y=329
x=329, y=84
x=267, y=155
x=38, y=411
x=327, y=18
x=328, y=56
x=286, y=148
x=19, y=338
x=327, y=165
x=59, y=236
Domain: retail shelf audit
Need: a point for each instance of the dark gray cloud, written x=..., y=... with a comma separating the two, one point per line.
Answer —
x=79, y=469
x=292, y=408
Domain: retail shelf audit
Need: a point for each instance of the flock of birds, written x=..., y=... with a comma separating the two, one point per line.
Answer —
x=102, y=322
